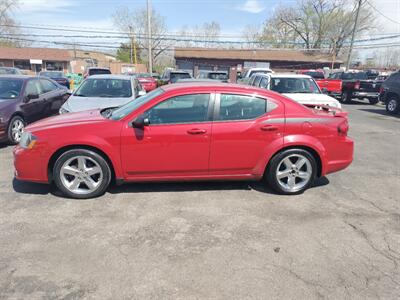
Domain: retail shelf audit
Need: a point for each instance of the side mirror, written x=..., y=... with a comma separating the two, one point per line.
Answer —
x=30, y=97
x=140, y=122
x=324, y=91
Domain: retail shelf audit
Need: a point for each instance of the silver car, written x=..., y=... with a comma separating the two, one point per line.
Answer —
x=103, y=91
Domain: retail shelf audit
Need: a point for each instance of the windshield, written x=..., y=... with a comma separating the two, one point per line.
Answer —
x=126, y=109
x=99, y=71
x=105, y=87
x=143, y=75
x=52, y=74
x=359, y=75
x=10, y=88
x=176, y=76
x=218, y=76
x=8, y=71
x=294, y=85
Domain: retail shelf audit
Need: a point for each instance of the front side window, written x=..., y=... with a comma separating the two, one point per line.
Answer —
x=240, y=107
x=263, y=83
x=107, y=88
x=10, y=88
x=257, y=81
x=191, y=108
x=47, y=86
x=33, y=87
x=294, y=85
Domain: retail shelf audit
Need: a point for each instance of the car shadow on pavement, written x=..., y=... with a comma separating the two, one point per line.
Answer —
x=381, y=112
x=23, y=187
x=4, y=145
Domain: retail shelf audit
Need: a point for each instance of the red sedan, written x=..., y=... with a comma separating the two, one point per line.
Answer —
x=196, y=131
x=147, y=81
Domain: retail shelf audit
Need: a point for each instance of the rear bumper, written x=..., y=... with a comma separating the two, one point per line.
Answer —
x=341, y=157
x=149, y=86
x=29, y=165
x=366, y=94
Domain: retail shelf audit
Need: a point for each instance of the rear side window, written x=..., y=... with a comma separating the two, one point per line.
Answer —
x=191, y=108
x=239, y=107
x=263, y=83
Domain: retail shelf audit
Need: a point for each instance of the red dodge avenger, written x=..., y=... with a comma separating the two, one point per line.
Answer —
x=187, y=131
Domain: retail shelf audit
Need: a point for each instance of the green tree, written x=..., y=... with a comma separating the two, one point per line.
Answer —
x=124, y=53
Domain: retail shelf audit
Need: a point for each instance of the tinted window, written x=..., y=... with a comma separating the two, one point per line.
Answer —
x=294, y=85
x=238, y=107
x=107, y=88
x=182, y=109
x=350, y=76
x=99, y=71
x=315, y=75
x=218, y=76
x=47, y=86
x=52, y=74
x=33, y=87
x=257, y=81
x=263, y=83
x=10, y=88
x=175, y=76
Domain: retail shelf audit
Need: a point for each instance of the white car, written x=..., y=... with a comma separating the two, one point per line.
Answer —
x=244, y=79
x=103, y=91
x=300, y=88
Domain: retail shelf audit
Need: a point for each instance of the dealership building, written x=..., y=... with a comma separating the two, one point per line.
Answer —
x=205, y=59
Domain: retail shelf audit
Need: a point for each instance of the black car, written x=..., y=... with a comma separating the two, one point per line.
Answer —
x=26, y=99
x=57, y=76
x=390, y=93
x=221, y=76
x=96, y=71
x=171, y=76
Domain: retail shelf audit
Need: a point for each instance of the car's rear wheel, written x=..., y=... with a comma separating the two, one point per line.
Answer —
x=373, y=101
x=393, y=105
x=345, y=97
x=292, y=171
x=15, y=129
x=82, y=174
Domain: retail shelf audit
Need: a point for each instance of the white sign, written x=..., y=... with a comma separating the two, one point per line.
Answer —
x=35, y=61
x=256, y=64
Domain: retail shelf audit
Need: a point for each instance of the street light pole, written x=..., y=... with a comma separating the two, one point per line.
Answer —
x=149, y=35
x=352, y=35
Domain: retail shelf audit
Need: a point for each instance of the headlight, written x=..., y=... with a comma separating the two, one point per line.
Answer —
x=28, y=140
x=63, y=111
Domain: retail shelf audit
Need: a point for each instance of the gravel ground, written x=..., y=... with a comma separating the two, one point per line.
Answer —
x=339, y=240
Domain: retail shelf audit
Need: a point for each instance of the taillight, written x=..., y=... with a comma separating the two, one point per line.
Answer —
x=343, y=128
x=357, y=85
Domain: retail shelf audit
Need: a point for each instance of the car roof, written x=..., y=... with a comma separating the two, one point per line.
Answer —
x=212, y=85
x=111, y=76
x=17, y=76
x=98, y=68
x=282, y=75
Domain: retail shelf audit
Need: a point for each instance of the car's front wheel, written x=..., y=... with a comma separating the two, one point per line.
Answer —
x=82, y=174
x=393, y=105
x=15, y=129
x=292, y=171
x=345, y=97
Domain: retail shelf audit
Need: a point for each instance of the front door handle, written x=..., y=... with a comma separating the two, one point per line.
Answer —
x=196, y=131
x=269, y=128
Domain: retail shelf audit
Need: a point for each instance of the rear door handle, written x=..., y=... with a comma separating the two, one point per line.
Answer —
x=196, y=131
x=269, y=128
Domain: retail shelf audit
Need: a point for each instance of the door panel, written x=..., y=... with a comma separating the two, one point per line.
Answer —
x=34, y=109
x=176, y=143
x=53, y=95
x=239, y=144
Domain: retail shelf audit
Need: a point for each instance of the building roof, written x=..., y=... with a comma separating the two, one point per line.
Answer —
x=35, y=53
x=253, y=55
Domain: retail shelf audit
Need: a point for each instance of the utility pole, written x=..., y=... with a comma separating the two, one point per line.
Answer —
x=149, y=35
x=130, y=36
x=352, y=35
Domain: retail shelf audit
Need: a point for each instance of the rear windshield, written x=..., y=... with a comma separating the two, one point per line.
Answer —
x=294, y=85
x=99, y=71
x=176, y=76
x=10, y=88
x=8, y=71
x=143, y=75
x=218, y=76
x=359, y=75
x=107, y=88
x=315, y=75
x=52, y=74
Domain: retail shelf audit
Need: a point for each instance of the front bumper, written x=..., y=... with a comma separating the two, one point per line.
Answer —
x=30, y=165
x=341, y=157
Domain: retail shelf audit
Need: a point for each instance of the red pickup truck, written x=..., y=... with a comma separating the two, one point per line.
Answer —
x=329, y=86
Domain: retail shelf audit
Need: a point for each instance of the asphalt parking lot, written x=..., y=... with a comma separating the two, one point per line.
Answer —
x=339, y=240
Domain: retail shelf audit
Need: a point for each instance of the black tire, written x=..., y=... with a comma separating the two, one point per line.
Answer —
x=275, y=163
x=392, y=105
x=11, y=135
x=345, y=97
x=91, y=156
x=373, y=101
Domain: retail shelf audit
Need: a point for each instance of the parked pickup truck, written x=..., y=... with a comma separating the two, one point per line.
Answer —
x=245, y=78
x=349, y=85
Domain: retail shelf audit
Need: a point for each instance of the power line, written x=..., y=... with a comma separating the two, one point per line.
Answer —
x=381, y=13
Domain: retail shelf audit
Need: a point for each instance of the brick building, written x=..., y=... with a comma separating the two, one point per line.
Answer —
x=197, y=59
x=33, y=60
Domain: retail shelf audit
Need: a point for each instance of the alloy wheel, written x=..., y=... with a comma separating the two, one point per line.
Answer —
x=392, y=105
x=17, y=128
x=294, y=172
x=81, y=175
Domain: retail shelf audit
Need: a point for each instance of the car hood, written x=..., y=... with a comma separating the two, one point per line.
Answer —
x=71, y=119
x=75, y=104
x=313, y=99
